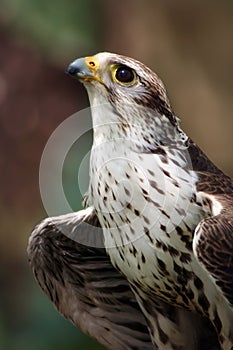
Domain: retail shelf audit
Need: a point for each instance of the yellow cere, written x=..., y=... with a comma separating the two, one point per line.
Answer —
x=92, y=63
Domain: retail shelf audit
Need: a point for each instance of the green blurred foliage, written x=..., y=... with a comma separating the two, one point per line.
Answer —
x=44, y=329
x=55, y=28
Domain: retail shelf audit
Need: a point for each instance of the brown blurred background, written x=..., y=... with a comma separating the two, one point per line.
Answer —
x=188, y=43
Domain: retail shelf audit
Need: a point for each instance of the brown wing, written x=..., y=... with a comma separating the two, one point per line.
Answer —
x=214, y=249
x=200, y=162
x=83, y=284
x=213, y=241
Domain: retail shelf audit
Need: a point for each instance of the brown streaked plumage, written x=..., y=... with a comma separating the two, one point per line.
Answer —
x=83, y=285
x=166, y=216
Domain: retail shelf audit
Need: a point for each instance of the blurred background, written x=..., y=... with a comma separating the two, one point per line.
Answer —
x=188, y=43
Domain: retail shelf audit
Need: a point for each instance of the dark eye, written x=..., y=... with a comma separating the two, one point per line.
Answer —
x=125, y=75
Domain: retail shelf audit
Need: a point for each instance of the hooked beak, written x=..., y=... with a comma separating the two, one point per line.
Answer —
x=84, y=69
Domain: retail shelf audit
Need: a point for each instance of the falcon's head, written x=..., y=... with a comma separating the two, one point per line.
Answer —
x=132, y=94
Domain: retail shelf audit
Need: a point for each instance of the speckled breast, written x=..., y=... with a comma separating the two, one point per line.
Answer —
x=148, y=207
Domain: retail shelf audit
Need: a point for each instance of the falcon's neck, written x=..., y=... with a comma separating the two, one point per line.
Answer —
x=140, y=130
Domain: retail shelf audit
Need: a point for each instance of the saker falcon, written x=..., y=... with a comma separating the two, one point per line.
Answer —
x=163, y=278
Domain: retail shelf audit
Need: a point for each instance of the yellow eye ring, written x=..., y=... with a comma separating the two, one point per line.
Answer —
x=124, y=75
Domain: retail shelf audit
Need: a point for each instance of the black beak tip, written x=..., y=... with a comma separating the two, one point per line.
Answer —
x=71, y=70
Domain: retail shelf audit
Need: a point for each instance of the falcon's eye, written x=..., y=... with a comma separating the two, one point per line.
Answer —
x=124, y=75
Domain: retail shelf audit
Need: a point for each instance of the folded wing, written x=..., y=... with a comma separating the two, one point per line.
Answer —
x=82, y=283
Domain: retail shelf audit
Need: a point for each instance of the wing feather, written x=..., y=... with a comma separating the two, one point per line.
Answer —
x=82, y=283
x=213, y=239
